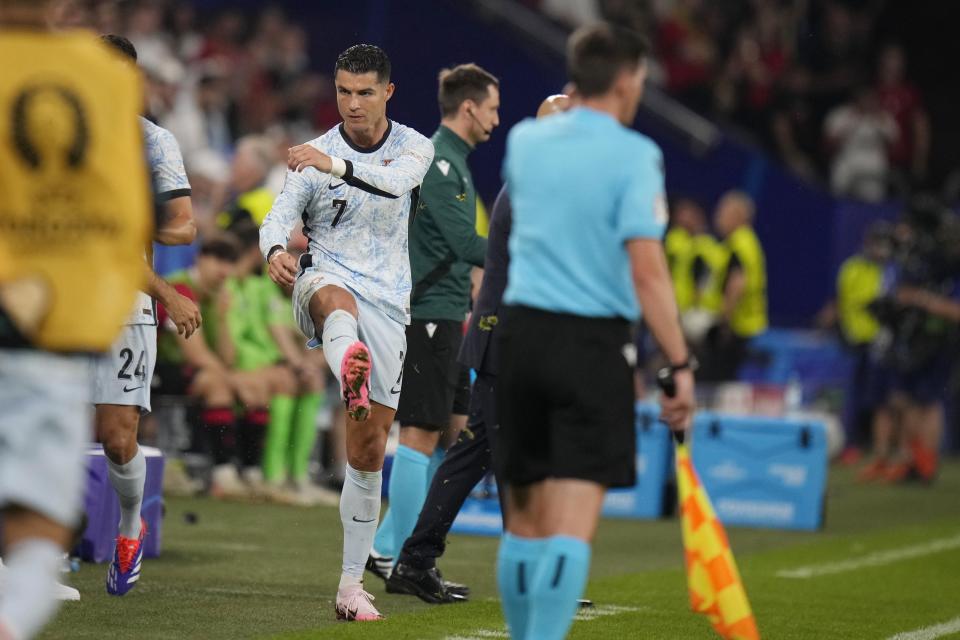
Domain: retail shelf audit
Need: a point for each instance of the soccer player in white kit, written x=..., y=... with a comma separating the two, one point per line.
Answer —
x=355, y=189
x=123, y=377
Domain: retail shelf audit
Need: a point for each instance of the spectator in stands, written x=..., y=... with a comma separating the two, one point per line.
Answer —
x=795, y=130
x=860, y=133
x=742, y=286
x=901, y=100
x=834, y=48
x=687, y=52
x=745, y=89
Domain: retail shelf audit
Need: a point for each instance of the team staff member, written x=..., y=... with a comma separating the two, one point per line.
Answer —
x=581, y=253
x=444, y=246
x=75, y=217
x=743, y=289
x=471, y=457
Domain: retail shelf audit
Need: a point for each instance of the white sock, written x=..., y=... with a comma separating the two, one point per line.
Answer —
x=339, y=332
x=29, y=598
x=128, y=481
x=359, y=513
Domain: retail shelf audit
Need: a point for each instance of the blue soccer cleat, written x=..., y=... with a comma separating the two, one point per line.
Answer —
x=127, y=558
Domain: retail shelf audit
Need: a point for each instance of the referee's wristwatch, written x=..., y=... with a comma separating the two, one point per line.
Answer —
x=690, y=363
x=665, y=375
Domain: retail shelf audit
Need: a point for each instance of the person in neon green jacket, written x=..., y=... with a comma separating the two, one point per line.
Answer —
x=264, y=338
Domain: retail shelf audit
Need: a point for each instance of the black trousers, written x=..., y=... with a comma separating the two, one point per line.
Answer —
x=467, y=462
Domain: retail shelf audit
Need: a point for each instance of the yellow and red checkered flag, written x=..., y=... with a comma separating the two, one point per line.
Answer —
x=712, y=577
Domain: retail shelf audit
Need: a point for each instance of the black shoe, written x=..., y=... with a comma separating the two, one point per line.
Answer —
x=426, y=584
x=454, y=587
x=379, y=566
x=584, y=604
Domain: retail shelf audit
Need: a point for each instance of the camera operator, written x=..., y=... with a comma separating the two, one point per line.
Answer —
x=921, y=314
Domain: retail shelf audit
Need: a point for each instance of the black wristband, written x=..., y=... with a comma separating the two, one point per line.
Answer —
x=273, y=250
x=690, y=363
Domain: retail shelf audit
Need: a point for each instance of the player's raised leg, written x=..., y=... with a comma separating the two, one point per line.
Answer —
x=334, y=312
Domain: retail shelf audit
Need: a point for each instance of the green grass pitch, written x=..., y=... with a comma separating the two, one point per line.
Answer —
x=264, y=571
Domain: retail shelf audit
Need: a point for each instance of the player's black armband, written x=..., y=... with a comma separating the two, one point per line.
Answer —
x=354, y=181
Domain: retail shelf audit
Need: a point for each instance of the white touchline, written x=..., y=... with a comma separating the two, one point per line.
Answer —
x=873, y=559
x=590, y=613
x=929, y=633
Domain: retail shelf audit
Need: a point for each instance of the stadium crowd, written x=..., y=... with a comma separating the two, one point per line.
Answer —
x=809, y=81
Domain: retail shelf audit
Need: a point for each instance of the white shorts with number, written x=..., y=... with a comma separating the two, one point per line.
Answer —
x=45, y=425
x=124, y=374
x=385, y=337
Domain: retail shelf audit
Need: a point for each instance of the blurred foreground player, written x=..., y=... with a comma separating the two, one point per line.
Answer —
x=122, y=380
x=581, y=253
x=72, y=230
x=469, y=460
x=355, y=188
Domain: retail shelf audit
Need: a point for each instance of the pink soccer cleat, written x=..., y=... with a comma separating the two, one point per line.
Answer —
x=355, y=374
x=355, y=604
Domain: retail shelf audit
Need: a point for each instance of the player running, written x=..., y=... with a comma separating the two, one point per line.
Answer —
x=122, y=379
x=355, y=188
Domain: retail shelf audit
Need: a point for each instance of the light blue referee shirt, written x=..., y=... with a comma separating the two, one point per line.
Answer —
x=581, y=185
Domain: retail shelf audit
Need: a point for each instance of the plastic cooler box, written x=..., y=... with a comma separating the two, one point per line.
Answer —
x=103, y=509
x=762, y=472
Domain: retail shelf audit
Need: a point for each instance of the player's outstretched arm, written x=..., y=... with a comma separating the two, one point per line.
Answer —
x=177, y=226
x=392, y=181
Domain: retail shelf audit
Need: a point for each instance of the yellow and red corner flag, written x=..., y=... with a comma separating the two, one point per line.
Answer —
x=712, y=577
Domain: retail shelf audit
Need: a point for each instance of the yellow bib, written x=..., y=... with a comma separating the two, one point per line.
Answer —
x=858, y=284
x=749, y=317
x=75, y=210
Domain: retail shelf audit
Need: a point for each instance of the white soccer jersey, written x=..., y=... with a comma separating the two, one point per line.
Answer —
x=357, y=225
x=169, y=181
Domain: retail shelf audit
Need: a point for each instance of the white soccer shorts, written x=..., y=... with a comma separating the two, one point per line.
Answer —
x=385, y=337
x=45, y=425
x=123, y=375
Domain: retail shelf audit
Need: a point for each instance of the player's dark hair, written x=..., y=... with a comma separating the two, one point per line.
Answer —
x=461, y=83
x=247, y=233
x=120, y=45
x=596, y=54
x=222, y=247
x=364, y=58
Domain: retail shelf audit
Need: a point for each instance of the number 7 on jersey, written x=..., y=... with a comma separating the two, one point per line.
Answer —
x=342, y=204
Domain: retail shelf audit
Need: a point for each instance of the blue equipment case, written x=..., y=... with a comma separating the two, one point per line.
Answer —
x=762, y=472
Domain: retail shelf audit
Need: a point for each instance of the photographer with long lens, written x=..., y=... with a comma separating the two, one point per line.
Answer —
x=920, y=314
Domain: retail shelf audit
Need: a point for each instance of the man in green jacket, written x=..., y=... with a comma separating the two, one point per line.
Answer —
x=444, y=247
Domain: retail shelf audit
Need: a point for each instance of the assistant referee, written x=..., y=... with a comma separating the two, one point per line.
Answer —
x=589, y=214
